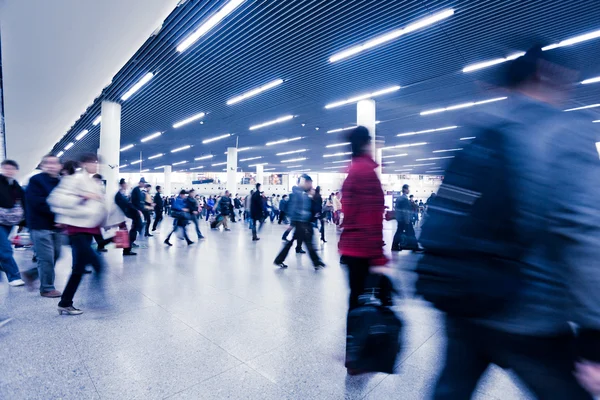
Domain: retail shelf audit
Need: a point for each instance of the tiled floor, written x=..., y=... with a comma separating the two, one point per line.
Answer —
x=215, y=320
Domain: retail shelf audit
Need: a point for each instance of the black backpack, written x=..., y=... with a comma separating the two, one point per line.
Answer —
x=471, y=265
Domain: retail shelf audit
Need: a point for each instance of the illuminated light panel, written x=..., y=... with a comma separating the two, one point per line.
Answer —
x=329, y=146
x=467, y=138
x=122, y=166
x=269, y=169
x=285, y=153
x=396, y=155
x=445, y=128
x=591, y=80
x=378, y=40
x=204, y=157
x=129, y=146
x=179, y=163
x=342, y=129
x=209, y=24
x=596, y=121
x=256, y=165
x=403, y=170
x=181, y=148
x=188, y=120
x=161, y=167
x=300, y=171
x=433, y=158
x=273, y=122
x=437, y=171
x=347, y=153
x=145, y=170
x=250, y=159
x=135, y=162
x=293, y=160
x=485, y=64
x=156, y=156
x=340, y=161
x=150, y=137
x=463, y=105
x=145, y=79
x=582, y=107
x=388, y=162
x=254, y=92
x=200, y=167
x=97, y=120
x=284, y=141
x=295, y=166
x=216, y=138
x=402, y=146
x=218, y=164
x=82, y=134
x=447, y=150
x=338, y=167
x=67, y=147
x=362, y=97
x=573, y=40
x=60, y=154
x=418, y=165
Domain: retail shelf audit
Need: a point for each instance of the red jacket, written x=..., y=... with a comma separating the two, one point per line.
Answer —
x=363, y=207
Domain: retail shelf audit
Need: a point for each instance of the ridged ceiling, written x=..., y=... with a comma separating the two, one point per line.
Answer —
x=292, y=40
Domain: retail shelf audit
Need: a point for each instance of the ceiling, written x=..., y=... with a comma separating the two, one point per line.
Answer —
x=266, y=40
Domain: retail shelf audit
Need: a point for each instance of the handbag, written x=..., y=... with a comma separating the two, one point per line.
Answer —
x=121, y=239
x=390, y=215
x=12, y=216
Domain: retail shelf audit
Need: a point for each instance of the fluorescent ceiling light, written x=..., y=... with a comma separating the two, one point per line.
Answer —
x=275, y=121
x=433, y=158
x=376, y=41
x=60, y=154
x=145, y=170
x=256, y=91
x=388, y=162
x=341, y=129
x=596, y=121
x=337, y=154
x=200, y=167
x=204, y=157
x=418, y=165
x=573, y=40
x=396, y=155
x=97, y=120
x=293, y=160
x=583, y=107
x=188, y=120
x=179, y=163
x=181, y=148
x=82, y=134
x=402, y=146
x=129, y=146
x=269, y=169
x=135, y=162
x=154, y=135
x=445, y=128
x=209, y=24
x=299, y=171
x=284, y=141
x=122, y=166
x=294, y=166
x=362, y=97
x=67, y=147
x=329, y=146
x=463, y=105
x=467, y=138
x=447, y=150
x=339, y=166
x=155, y=156
x=217, y=164
x=250, y=159
x=340, y=161
x=285, y=153
x=485, y=64
x=216, y=138
x=256, y=165
x=591, y=80
x=161, y=167
x=145, y=79
x=403, y=170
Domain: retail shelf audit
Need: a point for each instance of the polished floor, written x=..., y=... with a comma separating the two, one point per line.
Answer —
x=216, y=320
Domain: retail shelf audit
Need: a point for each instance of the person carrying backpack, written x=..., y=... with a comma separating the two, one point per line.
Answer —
x=512, y=273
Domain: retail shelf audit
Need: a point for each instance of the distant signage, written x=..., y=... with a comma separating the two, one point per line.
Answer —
x=203, y=181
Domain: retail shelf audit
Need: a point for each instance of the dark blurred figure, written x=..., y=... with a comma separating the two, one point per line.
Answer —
x=256, y=212
x=510, y=260
x=131, y=212
x=194, y=207
x=138, y=200
x=12, y=200
x=403, y=218
x=283, y=207
x=148, y=208
x=69, y=168
x=318, y=212
x=158, y=208
x=181, y=213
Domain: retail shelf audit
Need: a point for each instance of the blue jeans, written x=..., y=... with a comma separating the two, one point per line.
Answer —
x=7, y=261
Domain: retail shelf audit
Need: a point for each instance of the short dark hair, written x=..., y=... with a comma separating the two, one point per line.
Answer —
x=306, y=177
x=405, y=186
x=70, y=167
x=258, y=185
x=12, y=163
x=358, y=138
x=182, y=192
x=157, y=188
x=88, y=157
x=122, y=181
x=49, y=155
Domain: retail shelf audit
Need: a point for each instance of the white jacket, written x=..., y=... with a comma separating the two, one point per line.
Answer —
x=71, y=208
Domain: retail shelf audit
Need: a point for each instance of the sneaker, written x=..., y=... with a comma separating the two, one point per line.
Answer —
x=200, y=237
x=16, y=282
x=300, y=251
x=51, y=294
x=129, y=253
x=69, y=310
x=281, y=265
x=189, y=242
x=102, y=250
x=167, y=242
x=319, y=265
x=227, y=229
x=255, y=239
x=148, y=235
x=135, y=245
x=4, y=321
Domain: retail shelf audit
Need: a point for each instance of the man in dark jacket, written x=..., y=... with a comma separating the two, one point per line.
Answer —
x=256, y=211
x=158, y=208
x=40, y=220
x=225, y=209
x=12, y=198
x=131, y=212
x=138, y=198
x=283, y=207
x=192, y=205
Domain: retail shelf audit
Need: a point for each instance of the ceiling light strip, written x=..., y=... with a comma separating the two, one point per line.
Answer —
x=583, y=107
x=363, y=97
x=214, y=139
x=188, y=120
x=155, y=156
x=150, y=137
x=145, y=79
x=329, y=146
x=463, y=105
x=129, y=146
x=285, y=153
x=254, y=92
x=445, y=128
x=82, y=134
x=293, y=160
x=447, y=150
x=181, y=148
x=275, y=121
x=284, y=141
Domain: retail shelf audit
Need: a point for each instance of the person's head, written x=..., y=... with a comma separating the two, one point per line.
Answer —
x=182, y=193
x=89, y=162
x=123, y=184
x=98, y=178
x=252, y=191
x=318, y=190
x=158, y=189
x=142, y=183
x=148, y=187
x=192, y=193
x=258, y=185
x=277, y=196
x=305, y=182
x=284, y=197
x=360, y=141
x=51, y=165
x=411, y=197
x=227, y=193
x=69, y=168
x=9, y=168
x=405, y=189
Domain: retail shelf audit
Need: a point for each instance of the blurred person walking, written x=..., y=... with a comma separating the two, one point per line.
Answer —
x=404, y=219
x=181, y=213
x=78, y=204
x=283, y=206
x=138, y=200
x=318, y=212
x=225, y=209
x=148, y=207
x=256, y=212
x=46, y=236
x=194, y=209
x=131, y=212
x=158, y=208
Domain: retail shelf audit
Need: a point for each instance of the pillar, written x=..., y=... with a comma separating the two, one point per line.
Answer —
x=260, y=174
x=365, y=116
x=232, y=170
x=110, y=144
x=168, y=187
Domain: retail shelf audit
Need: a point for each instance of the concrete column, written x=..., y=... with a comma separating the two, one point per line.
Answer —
x=379, y=160
x=232, y=170
x=365, y=116
x=110, y=144
x=260, y=176
x=168, y=187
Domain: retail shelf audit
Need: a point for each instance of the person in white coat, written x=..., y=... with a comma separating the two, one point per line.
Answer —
x=78, y=202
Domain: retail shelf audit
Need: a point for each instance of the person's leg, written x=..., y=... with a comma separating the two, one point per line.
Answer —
x=253, y=222
x=225, y=222
x=299, y=236
x=79, y=243
x=464, y=363
x=322, y=221
x=284, y=252
x=147, y=222
x=44, y=243
x=157, y=219
x=7, y=261
x=308, y=240
x=397, y=236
